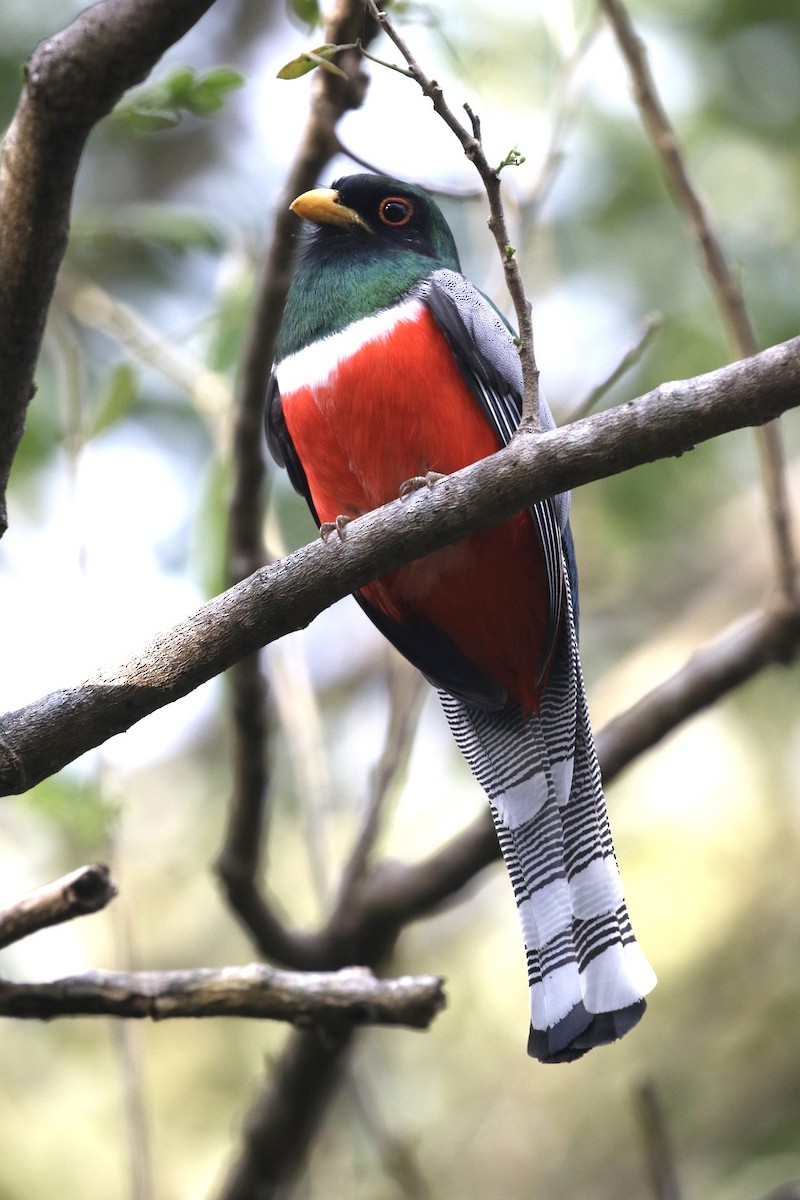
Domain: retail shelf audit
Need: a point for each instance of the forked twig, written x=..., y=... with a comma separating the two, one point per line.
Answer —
x=472, y=145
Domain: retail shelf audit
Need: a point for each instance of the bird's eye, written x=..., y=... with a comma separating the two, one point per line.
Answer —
x=395, y=211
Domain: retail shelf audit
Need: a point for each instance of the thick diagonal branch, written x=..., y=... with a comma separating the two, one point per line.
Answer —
x=37, y=740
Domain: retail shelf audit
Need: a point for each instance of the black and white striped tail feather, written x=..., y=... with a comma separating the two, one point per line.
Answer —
x=587, y=975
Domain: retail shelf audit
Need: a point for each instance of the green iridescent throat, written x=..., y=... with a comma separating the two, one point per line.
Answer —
x=348, y=274
x=326, y=298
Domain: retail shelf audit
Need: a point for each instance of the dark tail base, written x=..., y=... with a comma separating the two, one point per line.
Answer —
x=580, y=1030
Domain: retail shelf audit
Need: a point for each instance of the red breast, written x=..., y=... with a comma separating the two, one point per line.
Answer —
x=391, y=407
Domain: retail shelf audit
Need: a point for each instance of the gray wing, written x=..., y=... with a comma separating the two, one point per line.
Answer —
x=483, y=347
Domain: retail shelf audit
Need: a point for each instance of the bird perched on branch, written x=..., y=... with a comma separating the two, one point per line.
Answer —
x=391, y=369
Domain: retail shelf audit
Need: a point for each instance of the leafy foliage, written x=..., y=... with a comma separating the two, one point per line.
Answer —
x=157, y=106
x=309, y=60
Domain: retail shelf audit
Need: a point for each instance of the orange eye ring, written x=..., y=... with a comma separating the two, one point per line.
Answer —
x=395, y=211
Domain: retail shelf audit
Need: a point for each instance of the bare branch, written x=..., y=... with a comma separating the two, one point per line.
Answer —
x=72, y=80
x=407, y=691
x=39, y=739
x=351, y=996
x=739, y=653
x=84, y=891
x=723, y=281
x=563, y=108
x=472, y=146
x=629, y=359
x=399, y=893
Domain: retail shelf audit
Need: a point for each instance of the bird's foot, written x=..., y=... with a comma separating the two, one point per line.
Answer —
x=417, y=482
x=338, y=526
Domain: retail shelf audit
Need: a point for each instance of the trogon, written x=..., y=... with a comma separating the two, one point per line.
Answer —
x=392, y=367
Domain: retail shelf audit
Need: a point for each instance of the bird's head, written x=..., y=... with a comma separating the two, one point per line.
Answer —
x=372, y=216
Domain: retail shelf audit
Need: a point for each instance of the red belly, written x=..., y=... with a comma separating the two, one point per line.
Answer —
x=359, y=440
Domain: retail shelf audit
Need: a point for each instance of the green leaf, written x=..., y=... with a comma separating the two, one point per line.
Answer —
x=178, y=85
x=311, y=59
x=223, y=78
x=210, y=90
x=307, y=11
x=151, y=224
x=142, y=120
x=75, y=809
x=159, y=105
x=513, y=159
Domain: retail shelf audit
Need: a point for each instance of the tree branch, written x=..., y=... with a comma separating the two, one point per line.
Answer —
x=39, y=739
x=724, y=283
x=341, y=999
x=734, y=657
x=72, y=80
x=84, y=891
x=472, y=145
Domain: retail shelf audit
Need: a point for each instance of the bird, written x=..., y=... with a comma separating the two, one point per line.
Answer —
x=391, y=370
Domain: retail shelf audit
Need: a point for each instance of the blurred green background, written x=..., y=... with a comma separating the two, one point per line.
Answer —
x=117, y=514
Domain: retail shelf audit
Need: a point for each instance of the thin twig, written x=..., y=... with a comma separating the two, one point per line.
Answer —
x=737, y=654
x=564, y=109
x=84, y=891
x=629, y=359
x=396, y=1153
x=351, y=996
x=209, y=391
x=129, y=1057
x=407, y=691
x=657, y=1148
x=472, y=145
x=281, y=1126
x=130, y=1051
x=724, y=283
x=300, y=722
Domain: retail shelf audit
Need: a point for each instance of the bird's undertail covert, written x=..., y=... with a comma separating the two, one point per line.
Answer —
x=587, y=974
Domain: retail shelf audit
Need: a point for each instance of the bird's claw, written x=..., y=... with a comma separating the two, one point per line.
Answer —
x=338, y=526
x=417, y=482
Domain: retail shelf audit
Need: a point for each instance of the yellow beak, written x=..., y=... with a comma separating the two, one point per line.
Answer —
x=323, y=206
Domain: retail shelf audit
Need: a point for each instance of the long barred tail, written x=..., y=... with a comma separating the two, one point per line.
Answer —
x=587, y=974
